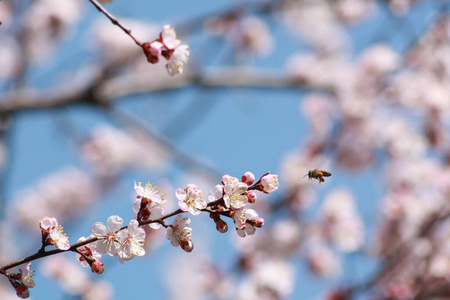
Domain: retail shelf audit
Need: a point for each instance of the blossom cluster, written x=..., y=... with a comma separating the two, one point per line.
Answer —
x=169, y=47
x=229, y=199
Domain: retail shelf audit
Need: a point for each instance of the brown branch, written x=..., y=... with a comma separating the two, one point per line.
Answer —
x=115, y=21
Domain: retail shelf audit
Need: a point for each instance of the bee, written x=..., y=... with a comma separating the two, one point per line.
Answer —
x=318, y=174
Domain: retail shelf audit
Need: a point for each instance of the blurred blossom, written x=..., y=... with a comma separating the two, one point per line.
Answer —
x=47, y=21
x=400, y=7
x=9, y=60
x=419, y=90
x=5, y=15
x=8, y=248
x=316, y=23
x=440, y=266
x=113, y=45
x=400, y=140
x=322, y=261
x=73, y=280
x=63, y=195
x=111, y=151
x=319, y=109
x=342, y=224
x=356, y=144
x=6, y=292
x=271, y=279
x=192, y=279
x=397, y=289
x=379, y=59
x=307, y=68
x=353, y=11
x=249, y=33
x=286, y=235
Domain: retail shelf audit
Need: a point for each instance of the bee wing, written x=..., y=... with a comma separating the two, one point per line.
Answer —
x=325, y=173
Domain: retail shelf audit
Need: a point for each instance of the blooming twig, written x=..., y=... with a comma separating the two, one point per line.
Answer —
x=126, y=242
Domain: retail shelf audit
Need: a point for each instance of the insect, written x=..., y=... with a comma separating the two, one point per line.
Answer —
x=318, y=174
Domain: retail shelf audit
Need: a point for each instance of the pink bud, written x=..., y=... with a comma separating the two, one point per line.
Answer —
x=22, y=291
x=251, y=196
x=221, y=226
x=248, y=178
x=225, y=178
x=187, y=246
x=269, y=183
x=97, y=267
x=259, y=222
x=152, y=51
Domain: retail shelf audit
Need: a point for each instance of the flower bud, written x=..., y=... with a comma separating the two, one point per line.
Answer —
x=221, y=226
x=248, y=178
x=97, y=267
x=251, y=196
x=269, y=183
x=22, y=291
x=259, y=222
x=187, y=246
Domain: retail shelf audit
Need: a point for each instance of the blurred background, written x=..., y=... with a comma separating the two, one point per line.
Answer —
x=356, y=87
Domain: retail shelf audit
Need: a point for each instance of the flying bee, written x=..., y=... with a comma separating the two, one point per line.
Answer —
x=318, y=174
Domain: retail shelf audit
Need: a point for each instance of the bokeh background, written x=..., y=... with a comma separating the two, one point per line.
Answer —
x=356, y=87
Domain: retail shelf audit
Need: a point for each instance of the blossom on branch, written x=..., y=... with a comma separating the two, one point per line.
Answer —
x=132, y=240
x=191, y=199
x=246, y=220
x=170, y=47
x=88, y=252
x=179, y=233
x=53, y=234
x=26, y=276
x=108, y=240
x=235, y=192
x=269, y=183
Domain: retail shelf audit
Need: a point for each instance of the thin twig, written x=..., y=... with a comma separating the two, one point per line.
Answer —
x=115, y=21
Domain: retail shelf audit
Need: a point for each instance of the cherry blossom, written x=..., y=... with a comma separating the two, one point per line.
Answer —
x=270, y=183
x=179, y=233
x=108, y=240
x=150, y=192
x=54, y=232
x=89, y=251
x=150, y=211
x=178, y=59
x=26, y=276
x=170, y=47
x=235, y=192
x=132, y=240
x=190, y=199
x=241, y=218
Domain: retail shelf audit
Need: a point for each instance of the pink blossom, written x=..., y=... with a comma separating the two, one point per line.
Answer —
x=89, y=251
x=108, y=240
x=169, y=37
x=179, y=233
x=241, y=218
x=132, y=241
x=235, y=193
x=178, y=59
x=269, y=183
x=322, y=261
x=26, y=276
x=151, y=211
x=150, y=192
x=190, y=199
x=55, y=233
x=248, y=178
